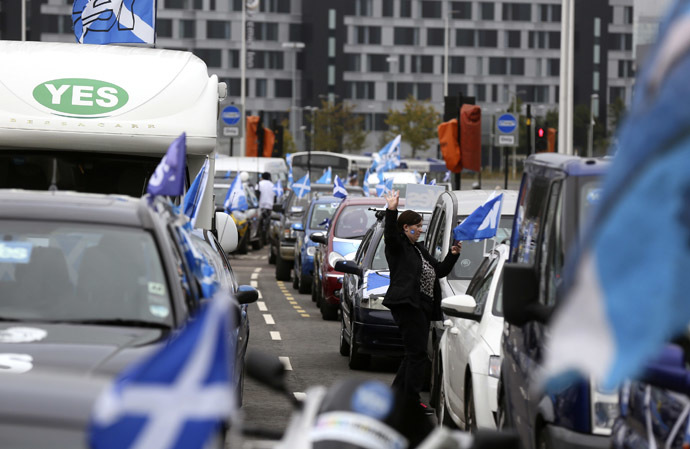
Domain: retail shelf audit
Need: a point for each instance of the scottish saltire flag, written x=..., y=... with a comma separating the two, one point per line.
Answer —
x=325, y=223
x=179, y=396
x=192, y=199
x=302, y=186
x=168, y=178
x=326, y=177
x=384, y=187
x=483, y=222
x=202, y=270
x=227, y=174
x=119, y=21
x=278, y=189
x=629, y=282
x=236, y=199
x=446, y=177
x=290, y=179
x=423, y=180
x=388, y=157
x=376, y=284
x=365, y=183
x=432, y=182
x=339, y=190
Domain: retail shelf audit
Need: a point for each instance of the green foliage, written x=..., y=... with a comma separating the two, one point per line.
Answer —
x=336, y=128
x=417, y=124
x=617, y=112
x=289, y=145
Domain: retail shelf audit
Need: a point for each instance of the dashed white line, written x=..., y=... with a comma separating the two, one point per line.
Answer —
x=255, y=275
x=300, y=395
x=257, y=270
x=268, y=318
x=260, y=295
x=275, y=335
x=262, y=306
x=254, y=284
x=286, y=363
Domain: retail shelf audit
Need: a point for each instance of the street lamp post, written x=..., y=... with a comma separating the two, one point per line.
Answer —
x=590, y=133
x=294, y=46
x=446, y=45
x=312, y=109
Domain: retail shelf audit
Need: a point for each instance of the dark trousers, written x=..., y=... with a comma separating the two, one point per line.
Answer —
x=413, y=323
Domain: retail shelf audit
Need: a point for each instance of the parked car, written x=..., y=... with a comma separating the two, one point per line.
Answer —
x=451, y=208
x=556, y=195
x=470, y=349
x=248, y=221
x=316, y=219
x=293, y=210
x=350, y=223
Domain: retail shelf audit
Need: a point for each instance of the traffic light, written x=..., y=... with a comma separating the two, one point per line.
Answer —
x=540, y=143
x=551, y=139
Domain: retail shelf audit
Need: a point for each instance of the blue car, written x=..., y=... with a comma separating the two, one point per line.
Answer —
x=316, y=219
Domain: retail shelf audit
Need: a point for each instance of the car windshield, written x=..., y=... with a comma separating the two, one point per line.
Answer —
x=320, y=212
x=380, y=263
x=473, y=251
x=354, y=221
x=69, y=271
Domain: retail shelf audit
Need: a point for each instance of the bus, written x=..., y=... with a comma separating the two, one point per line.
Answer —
x=341, y=164
x=99, y=118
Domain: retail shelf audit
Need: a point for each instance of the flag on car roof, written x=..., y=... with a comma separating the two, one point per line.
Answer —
x=236, y=199
x=446, y=177
x=278, y=189
x=365, y=183
x=626, y=292
x=339, y=190
x=125, y=21
x=202, y=270
x=423, y=179
x=388, y=157
x=326, y=177
x=384, y=187
x=483, y=222
x=179, y=396
x=168, y=179
x=192, y=199
x=302, y=186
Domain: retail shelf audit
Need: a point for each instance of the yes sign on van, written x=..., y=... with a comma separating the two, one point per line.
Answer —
x=79, y=97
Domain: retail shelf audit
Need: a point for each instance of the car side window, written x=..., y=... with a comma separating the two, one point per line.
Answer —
x=532, y=204
x=482, y=292
x=437, y=244
x=433, y=225
x=552, y=247
x=380, y=262
x=362, y=249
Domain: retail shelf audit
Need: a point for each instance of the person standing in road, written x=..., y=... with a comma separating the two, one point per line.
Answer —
x=267, y=197
x=414, y=295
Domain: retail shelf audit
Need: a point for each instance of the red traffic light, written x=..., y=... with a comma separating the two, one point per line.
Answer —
x=540, y=132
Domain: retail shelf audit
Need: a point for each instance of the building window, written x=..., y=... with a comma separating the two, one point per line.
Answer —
x=283, y=89
x=498, y=66
x=553, y=67
x=331, y=47
x=198, y=5
x=513, y=39
x=176, y=4
x=363, y=8
x=266, y=31
x=377, y=63
x=595, y=81
x=480, y=65
x=550, y=13
x=364, y=90
x=237, y=5
x=368, y=35
x=210, y=57
x=217, y=29
x=268, y=60
x=554, y=40
x=400, y=63
x=628, y=15
x=487, y=38
x=260, y=87
x=616, y=93
x=233, y=86
x=487, y=11
x=620, y=41
x=464, y=38
x=534, y=94
x=461, y=10
x=517, y=66
x=456, y=64
x=187, y=29
x=163, y=27
x=280, y=6
x=431, y=9
x=596, y=56
x=405, y=36
x=597, y=27
x=421, y=64
x=517, y=12
x=387, y=8
x=353, y=63
x=434, y=36
x=295, y=32
x=625, y=69
x=331, y=19
x=234, y=59
x=457, y=88
x=405, y=8
x=480, y=92
x=423, y=91
x=331, y=75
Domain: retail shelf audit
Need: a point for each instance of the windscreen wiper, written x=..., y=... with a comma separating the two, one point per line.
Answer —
x=118, y=322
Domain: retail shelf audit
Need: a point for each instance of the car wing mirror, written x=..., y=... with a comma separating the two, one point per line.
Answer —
x=319, y=237
x=521, y=295
x=227, y=232
x=461, y=306
x=246, y=294
x=297, y=227
x=348, y=266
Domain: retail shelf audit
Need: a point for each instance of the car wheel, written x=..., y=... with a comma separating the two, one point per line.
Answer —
x=283, y=269
x=543, y=440
x=319, y=296
x=444, y=418
x=313, y=288
x=470, y=414
x=356, y=360
x=502, y=418
x=240, y=389
x=344, y=345
x=272, y=255
x=256, y=244
x=304, y=287
x=295, y=279
x=243, y=247
x=329, y=312
x=435, y=382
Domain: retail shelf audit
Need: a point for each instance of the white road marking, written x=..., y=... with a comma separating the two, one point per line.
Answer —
x=257, y=270
x=254, y=284
x=262, y=306
x=255, y=275
x=260, y=295
x=275, y=335
x=300, y=395
x=286, y=362
x=268, y=318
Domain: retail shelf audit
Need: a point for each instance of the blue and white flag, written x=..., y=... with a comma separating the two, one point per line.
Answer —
x=302, y=186
x=278, y=189
x=483, y=222
x=388, y=157
x=423, y=180
x=288, y=160
x=236, y=199
x=339, y=190
x=365, y=183
x=179, y=396
x=376, y=284
x=109, y=22
x=626, y=292
x=326, y=178
x=227, y=174
x=384, y=187
x=168, y=179
x=203, y=271
x=432, y=182
x=192, y=199
x=446, y=177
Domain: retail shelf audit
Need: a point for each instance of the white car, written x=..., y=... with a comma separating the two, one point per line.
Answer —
x=470, y=349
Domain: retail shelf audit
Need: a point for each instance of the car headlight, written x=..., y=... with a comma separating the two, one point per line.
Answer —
x=289, y=233
x=604, y=409
x=495, y=366
x=333, y=257
x=311, y=250
x=373, y=302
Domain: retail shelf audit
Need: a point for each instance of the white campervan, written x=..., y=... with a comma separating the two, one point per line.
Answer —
x=96, y=118
x=227, y=167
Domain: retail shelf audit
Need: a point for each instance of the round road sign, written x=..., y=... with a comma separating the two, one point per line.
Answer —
x=231, y=115
x=506, y=123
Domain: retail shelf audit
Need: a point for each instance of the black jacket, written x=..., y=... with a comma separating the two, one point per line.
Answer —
x=406, y=268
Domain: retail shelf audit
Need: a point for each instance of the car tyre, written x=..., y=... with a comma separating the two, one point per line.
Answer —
x=543, y=440
x=283, y=269
x=344, y=345
x=295, y=279
x=243, y=247
x=444, y=418
x=470, y=414
x=502, y=418
x=256, y=244
x=313, y=288
x=329, y=312
x=435, y=382
x=304, y=287
x=272, y=255
x=356, y=360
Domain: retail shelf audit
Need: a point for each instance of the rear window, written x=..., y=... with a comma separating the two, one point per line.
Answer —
x=354, y=221
x=473, y=251
x=320, y=213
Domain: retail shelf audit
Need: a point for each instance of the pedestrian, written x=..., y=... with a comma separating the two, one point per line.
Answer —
x=352, y=178
x=266, y=199
x=414, y=295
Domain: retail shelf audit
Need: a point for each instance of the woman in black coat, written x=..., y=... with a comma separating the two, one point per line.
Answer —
x=414, y=295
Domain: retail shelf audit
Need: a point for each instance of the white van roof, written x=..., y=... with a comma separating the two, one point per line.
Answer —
x=250, y=164
x=105, y=98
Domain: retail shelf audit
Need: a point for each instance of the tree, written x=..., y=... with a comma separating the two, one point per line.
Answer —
x=417, y=123
x=289, y=145
x=617, y=112
x=336, y=128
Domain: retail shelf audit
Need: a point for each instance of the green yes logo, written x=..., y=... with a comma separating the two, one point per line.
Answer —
x=79, y=97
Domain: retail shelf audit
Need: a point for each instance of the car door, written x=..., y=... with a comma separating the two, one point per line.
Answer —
x=352, y=283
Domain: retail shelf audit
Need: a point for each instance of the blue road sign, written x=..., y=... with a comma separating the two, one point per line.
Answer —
x=506, y=123
x=231, y=115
